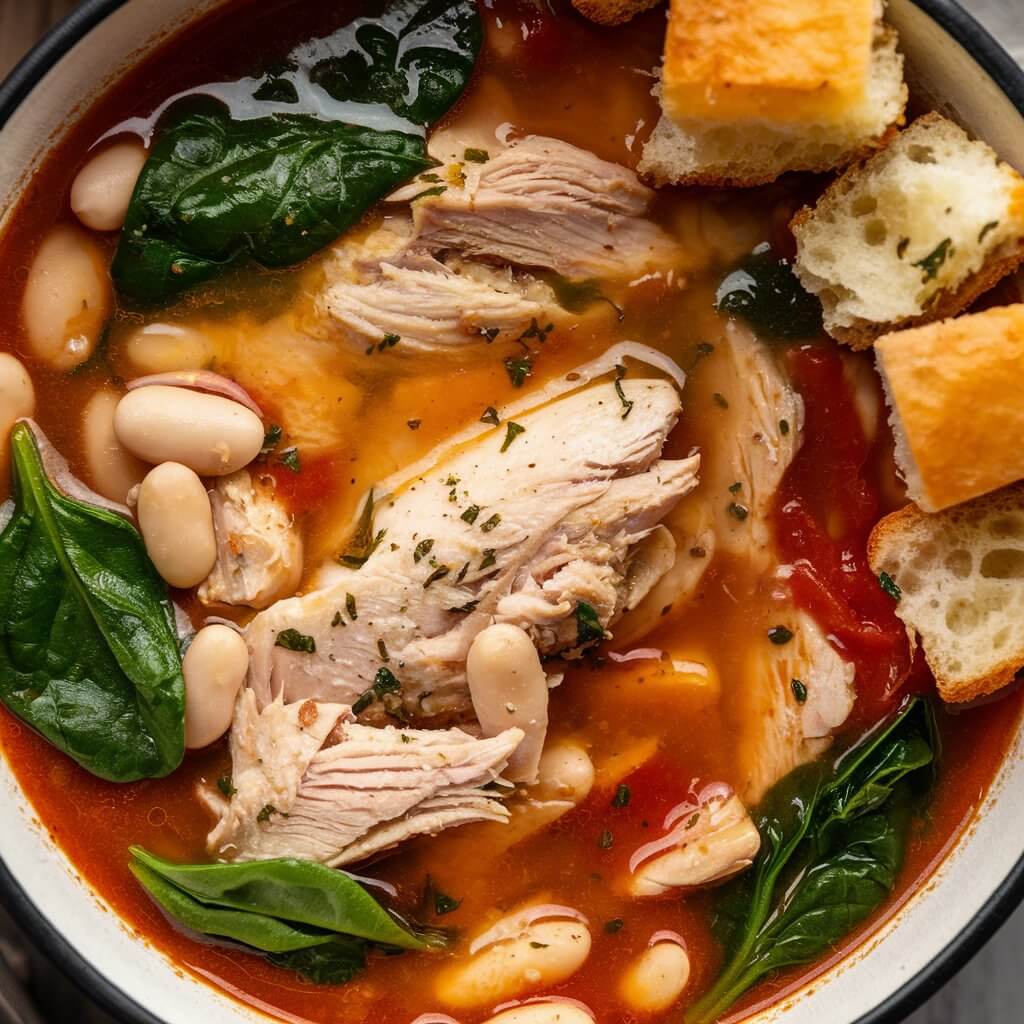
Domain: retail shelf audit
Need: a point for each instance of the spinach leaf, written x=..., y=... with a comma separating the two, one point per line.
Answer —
x=334, y=963
x=831, y=846
x=88, y=651
x=274, y=189
x=415, y=57
x=257, y=930
x=291, y=890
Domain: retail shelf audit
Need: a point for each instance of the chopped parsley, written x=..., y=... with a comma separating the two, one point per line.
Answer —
x=437, y=190
x=490, y=416
x=783, y=427
x=518, y=370
x=337, y=620
x=444, y=904
x=512, y=431
x=737, y=511
x=290, y=458
x=588, y=625
x=627, y=405
x=489, y=558
x=462, y=573
x=720, y=400
x=536, y=331
x=271, y=439
x=932, y=263
x=890, y=586
x=293, y=640
x=413, y=424
x=990, y=226
x=491, y=523
x=605, y=840
x=423, y=549
x=362, y=703
x=490, y=333
x=736, y=487
x=476, y=156
x=350, y=606
x=614, y=926
x=266, y=811
x=469, y=516
x=623, y=794
x=438, y=574
x=382, y=650
x=388, y=341
x=385, y=681
x=780, y=635
x=364, y=542
x=799, y=691
x=225, y=785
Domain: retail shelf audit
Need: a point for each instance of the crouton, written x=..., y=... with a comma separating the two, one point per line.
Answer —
x=954, y=392
x=960, y=579
x=751, y=91
x=912, y=235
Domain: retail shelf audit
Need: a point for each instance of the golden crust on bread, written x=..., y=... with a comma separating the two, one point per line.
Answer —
x=613, y=12
x=780, y=60
x=939, y=563
x=955, y=391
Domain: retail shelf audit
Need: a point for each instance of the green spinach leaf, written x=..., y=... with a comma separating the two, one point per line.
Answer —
x=274, y=189
x=88, y=651
x=415, y=57
x=335, y=963
x=831, y=846
x=298, y=891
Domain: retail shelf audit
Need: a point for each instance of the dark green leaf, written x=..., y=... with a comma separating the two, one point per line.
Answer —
x=476, y=156
x=226, y=786
x=588, y=625
x=422, y=549
x=333, y=963
x=88, y=651
x=780, y=635
x=416, y=57
x=363, y=542
x=512, y=431
x=490, y=416
x=274, y=189
x=492, y=523
x=889, y=585
x=622, y=796
x=932, y=263
x=765, y=292
x=271, y=439
x=290, y=458
x=293, y=640
x=385, y=682
x=518, y=370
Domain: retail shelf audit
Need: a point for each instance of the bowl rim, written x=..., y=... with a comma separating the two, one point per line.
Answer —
x=979, y=43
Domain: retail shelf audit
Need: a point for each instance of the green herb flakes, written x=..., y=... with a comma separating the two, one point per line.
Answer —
x=623, y=794
x=423, y=549
x=469, y=516
x=780, y=635
x=512, y=431
x=518, y=370
x=737, y=511
x=290, y=458
x=614, y=926
x=476, y=156
x=588, y=625
x=382, y=650
x=490, y=416
x=438, y=574
x=491, y=523
x=271, y=439
x=225, y=785
x=990, y=226
x=605, y=840
x=889, y=585
x=350, y=607
x=799, y=691
x=489, y=558
x=293, y=640
x=933, y=262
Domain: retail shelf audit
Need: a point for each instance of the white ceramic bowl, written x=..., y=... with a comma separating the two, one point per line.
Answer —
x=954, y=64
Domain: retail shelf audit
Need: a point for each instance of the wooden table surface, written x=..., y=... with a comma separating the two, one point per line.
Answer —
x=990, y=990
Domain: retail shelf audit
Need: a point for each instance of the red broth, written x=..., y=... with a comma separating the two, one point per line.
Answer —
x=550, y=73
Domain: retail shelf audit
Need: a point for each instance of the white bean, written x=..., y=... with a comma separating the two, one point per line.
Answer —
x=509, y=688
x=177, y=524
x=66, y=299
x=113, y=471
x=543, y=953
x=214, y=668
x=566, y=772
x=103, y=188
x=164, y=348
x=554, y=1011
x=17, y=397
x=656, y=979
x=210, y=434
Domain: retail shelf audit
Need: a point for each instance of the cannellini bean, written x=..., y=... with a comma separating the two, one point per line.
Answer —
x=656, y=979
x=210, y=434
x=509, y=688
x=214, y=667
x=539, y=954
x=66, y=299
x=708, y=844
x=177, y=524
x=553, y=1011
x=565, y=772
x=164, y=348
x=103, y=188
x=113, y=470
x=17, y=396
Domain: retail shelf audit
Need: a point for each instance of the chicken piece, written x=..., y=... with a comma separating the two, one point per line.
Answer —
x=705, y=843
x=311, y=784
x=793, y=698
x=523, y=528
x=427, y=305
x=259, y=550
x=541, y=202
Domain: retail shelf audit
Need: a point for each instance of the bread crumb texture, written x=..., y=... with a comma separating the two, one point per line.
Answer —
x=955, y=392
x=913, y=234
x=961, y=577
x=775, y=115
x=613, y=12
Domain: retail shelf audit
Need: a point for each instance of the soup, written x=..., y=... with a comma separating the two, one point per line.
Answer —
x=507, y=552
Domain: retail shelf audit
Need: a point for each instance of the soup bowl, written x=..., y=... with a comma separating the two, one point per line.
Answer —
x=953, y=66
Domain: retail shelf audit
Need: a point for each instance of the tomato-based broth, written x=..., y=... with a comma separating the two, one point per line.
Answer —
x=675, y=700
